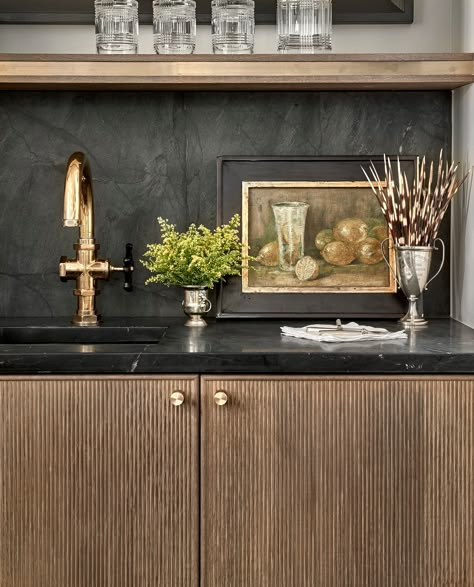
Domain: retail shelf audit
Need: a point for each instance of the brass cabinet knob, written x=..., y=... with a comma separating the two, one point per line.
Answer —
x=221, y=398
x=177, y=398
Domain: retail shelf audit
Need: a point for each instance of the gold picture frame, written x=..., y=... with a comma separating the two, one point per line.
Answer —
x=347, y=209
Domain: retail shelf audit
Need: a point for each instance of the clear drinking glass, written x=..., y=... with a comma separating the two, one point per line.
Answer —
x=116, y=26
x=290, y=220
x=233, y=26
x=304, y=26
x=174, y=26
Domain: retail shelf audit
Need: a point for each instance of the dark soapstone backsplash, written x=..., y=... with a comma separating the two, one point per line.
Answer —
x=154, y=154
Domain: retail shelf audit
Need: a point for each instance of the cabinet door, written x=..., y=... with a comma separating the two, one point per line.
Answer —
x=333, y=482
x=99, y=482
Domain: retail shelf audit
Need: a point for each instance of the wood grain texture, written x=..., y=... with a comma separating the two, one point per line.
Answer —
x=338, y=482
x=257, y=57
x=264, y=72
x=99, y=482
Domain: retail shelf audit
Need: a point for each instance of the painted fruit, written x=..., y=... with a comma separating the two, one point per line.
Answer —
x=307, y=269
x=379, y=232
x=372, y=222
x=351, y=230
x=369, y=251
x=338, y=253
x=323, y=238
x=268, y=255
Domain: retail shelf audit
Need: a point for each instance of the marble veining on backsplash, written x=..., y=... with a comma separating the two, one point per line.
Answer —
x=154, y=153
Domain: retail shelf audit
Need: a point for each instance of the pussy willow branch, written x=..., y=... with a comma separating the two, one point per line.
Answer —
x=414, y=214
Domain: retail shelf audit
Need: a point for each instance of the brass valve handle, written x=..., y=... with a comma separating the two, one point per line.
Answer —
x=63, y=276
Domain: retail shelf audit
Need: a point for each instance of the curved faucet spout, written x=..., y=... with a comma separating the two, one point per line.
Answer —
x=78, y=197
x=86, y=269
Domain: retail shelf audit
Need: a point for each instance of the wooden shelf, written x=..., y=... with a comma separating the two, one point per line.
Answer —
x=242, y=72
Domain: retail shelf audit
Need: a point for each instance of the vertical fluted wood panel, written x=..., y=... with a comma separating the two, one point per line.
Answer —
x=99, y=482
x=449, y=483
x=337, y=482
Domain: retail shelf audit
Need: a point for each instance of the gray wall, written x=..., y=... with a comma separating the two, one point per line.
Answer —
x=154, y=154
x=463, y=207
x=431, y=32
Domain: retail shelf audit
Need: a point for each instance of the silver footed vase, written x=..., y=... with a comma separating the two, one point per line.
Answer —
x=196, y=304
x=412, y=273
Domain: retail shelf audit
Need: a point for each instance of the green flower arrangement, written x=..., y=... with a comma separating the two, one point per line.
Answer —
x=199, y=256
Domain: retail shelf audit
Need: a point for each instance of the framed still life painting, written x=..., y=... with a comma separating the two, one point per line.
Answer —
x=313, y=229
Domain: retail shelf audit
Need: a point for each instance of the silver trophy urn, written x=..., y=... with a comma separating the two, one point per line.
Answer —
x=195, y=305
x=412, y=272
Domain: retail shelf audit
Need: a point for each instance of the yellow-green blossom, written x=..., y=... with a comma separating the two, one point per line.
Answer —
x=198, y=256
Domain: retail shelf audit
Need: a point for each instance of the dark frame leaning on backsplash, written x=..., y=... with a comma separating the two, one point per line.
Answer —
x=232, y=302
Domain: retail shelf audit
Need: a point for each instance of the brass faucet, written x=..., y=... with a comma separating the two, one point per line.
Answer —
x=86, y=269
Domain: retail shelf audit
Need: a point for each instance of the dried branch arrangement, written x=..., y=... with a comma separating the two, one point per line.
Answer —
x=414, y=214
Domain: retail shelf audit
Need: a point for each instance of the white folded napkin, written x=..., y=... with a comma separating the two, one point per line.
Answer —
x=342, y=332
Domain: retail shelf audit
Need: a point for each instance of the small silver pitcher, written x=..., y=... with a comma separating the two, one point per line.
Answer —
x=413, y=269
x=196, y=303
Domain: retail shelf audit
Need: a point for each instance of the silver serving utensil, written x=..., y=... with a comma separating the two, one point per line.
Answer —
x=339, y=327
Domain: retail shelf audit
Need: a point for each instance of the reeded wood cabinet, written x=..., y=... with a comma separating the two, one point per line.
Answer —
x=98, y=482
x=284, y=482
x=338, y=482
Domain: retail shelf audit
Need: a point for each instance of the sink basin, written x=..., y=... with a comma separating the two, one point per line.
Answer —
x=81, y=335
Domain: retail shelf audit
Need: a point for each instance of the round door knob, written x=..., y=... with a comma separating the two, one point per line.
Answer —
x=177, y=398
x=221, y=398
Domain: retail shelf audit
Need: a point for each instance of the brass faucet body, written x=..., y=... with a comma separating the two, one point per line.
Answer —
x=86, y=268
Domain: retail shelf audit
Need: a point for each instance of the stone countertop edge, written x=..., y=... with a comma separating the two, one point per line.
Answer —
x=244, y=347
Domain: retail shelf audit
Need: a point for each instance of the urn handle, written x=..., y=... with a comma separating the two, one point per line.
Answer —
x=394, y=273
x=442, y=260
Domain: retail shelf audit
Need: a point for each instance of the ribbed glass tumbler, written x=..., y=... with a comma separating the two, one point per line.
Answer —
x=116, y=26
x=233, y=26
x=174, y=26
x=304, y=26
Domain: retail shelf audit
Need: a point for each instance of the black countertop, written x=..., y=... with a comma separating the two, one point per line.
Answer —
x=249, y=346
